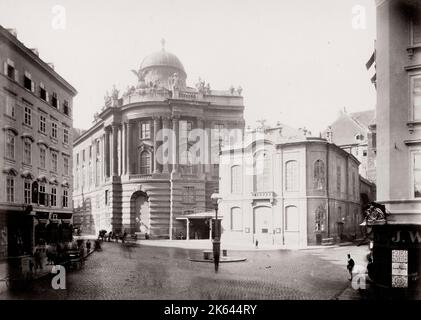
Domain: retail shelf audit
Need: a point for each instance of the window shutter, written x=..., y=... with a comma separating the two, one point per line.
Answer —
x=46, y=96
x=33, y=86
x=58, y=104
x=5, y=68
x=16, y=75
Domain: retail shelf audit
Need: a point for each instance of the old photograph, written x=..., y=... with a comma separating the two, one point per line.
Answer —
x=183, y=150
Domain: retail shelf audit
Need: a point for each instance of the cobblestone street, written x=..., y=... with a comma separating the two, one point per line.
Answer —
x=166, y=273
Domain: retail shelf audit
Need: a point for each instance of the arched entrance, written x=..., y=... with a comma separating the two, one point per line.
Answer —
x=139, y=213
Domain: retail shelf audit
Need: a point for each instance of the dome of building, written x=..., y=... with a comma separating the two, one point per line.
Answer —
x=160, y=68
x=162, y=58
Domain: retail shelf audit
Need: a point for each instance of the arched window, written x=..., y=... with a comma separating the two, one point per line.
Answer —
x=236, y=219
x=319, y=175
x=291, y=176
x=263, y=172
x=291, y=218
x=145, y=162
x=236, y=181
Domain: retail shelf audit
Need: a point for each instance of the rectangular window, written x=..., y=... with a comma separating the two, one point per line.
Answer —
x=65, y=198
x=66, y=165
x=42, y=123
x=417, y=175
x=10, y=145
x=27, y=82
x=66, y=109
x=189, y=195
x=77, y=159
x=42, y=195
x=42, y=92
x=90, y=152
x=54, y=100
x=53, y=196
x=28, y=116
x=106, y=197
x=42, y=157
x=9, y=70
x=145, y=130
x=10, y=189
x=27, y=192
x=10, y=107
x=65, y=136
x=83, y=155
x=27, y=154
x=219, y=136
x=54, y=130
x=54, y=161
x=416, y=97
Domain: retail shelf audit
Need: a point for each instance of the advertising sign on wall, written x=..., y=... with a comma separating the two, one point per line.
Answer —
x=399, y=268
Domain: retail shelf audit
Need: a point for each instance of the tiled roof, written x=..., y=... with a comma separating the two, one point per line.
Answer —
x=348, y=125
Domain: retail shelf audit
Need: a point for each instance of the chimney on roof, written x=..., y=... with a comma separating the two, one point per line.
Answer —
x=13, y=32
x=35, y=50
x=51, y=65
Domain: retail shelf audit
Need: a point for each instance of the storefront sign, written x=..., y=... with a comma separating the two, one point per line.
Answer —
x=399, y=268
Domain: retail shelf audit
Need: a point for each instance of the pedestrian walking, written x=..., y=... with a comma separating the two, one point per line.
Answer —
x=257, y=244
x=38, y=259
x=350, y=266
x=110, y=236
x=88, y=246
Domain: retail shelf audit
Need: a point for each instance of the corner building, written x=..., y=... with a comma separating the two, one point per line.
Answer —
x=137, y=168
x=36, y=142
x=290, y=190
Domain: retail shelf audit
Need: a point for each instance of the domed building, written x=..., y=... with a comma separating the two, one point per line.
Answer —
x=151, y=157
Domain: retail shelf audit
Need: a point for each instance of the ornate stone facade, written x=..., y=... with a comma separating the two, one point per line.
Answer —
x=137, y=164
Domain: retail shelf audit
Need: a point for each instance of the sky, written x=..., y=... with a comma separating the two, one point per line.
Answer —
x=299, y=62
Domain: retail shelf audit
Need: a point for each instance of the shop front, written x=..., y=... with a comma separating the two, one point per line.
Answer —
x=53, y=227
x=396, y=255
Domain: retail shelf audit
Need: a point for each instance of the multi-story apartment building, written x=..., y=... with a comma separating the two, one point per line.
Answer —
x=137, y=169
x=397, y=243
x=36, y=149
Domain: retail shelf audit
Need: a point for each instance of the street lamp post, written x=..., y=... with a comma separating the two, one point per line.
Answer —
x=216, y=243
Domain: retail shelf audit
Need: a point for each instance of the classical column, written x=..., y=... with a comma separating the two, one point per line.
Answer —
x=200, y=126
x=124, y=150
x=129, y=151
x=120, y=167
x=175, y=146
x=209, y=146
x=165, y=127
x=115, y=149
x=156, y=128
x=107, y=152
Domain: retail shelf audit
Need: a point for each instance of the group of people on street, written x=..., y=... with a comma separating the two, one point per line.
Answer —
x=57, y=253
